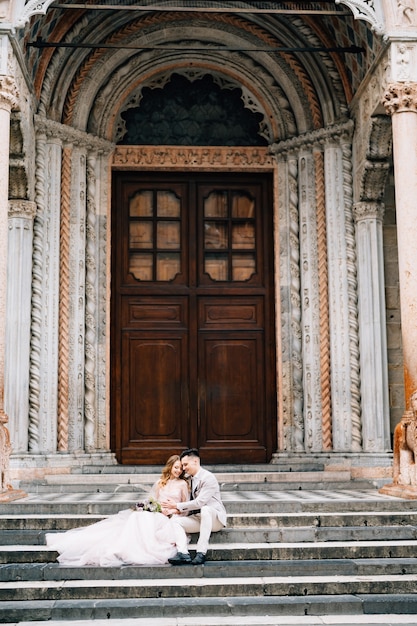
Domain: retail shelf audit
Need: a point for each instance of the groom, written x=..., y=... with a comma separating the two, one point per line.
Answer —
x=205, y=510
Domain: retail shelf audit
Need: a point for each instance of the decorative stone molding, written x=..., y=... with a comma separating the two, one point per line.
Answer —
x=368, y=210
x=368, y=10
x=22, y=208
x=400, y=98
x=32, y=7
x=69, y=135
x=314, y=138
x=9, y=95
x=179, y=156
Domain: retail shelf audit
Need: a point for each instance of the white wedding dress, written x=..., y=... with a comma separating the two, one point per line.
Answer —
x=131, y=537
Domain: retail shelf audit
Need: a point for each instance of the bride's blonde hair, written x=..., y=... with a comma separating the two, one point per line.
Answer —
x=166, y=472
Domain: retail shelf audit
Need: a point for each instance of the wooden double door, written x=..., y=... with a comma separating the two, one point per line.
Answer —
x=192, y=345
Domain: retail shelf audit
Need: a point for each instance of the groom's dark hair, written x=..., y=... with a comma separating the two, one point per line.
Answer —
x=190, y=452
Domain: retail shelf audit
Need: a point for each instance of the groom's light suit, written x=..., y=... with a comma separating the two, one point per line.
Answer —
x=205, y=512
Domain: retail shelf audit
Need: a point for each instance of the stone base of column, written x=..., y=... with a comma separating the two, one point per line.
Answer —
x=407, y=492
x=12, y=494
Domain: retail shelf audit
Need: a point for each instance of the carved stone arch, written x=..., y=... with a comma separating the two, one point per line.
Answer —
x=123, y=86
x=225, y=83
x=285, y=71
x=378, y=158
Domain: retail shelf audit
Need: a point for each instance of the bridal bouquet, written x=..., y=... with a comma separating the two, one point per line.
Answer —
x=149, y=504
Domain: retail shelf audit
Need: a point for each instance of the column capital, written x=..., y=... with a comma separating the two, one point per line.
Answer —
x=368, y=210
x=22, y=208
x=401, y=97
x=8, y=93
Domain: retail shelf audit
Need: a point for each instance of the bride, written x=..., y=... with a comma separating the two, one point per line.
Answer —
x=134, y=536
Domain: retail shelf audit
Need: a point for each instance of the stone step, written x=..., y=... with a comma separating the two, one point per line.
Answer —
x=343, y=519
x=237, y=503
x=253, y=551
x=202, y=607
x=187, y=587
x=251, y=620
x=260, y=534
x=229, y=481
x=212, y=569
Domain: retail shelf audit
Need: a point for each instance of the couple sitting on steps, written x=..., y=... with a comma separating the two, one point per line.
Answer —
x=154, y=532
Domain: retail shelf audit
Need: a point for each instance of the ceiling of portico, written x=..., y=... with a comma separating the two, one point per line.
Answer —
x=272, y=57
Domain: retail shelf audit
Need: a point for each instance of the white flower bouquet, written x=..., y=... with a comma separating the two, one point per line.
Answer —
x=149, y=504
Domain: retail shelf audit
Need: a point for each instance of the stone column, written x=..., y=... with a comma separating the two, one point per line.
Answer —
x=8, y=100
x=372, y=324
x=342, y=307
x=400, y=101
x=19, y=279
x=309, y=274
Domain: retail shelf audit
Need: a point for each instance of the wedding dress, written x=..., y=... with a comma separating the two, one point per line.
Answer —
x=131, y=537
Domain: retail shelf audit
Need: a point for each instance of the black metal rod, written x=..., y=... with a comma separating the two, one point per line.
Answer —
x=62, y=44
x=182, y=9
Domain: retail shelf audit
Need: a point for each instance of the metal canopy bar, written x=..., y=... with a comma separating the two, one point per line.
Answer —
x=39, y=43
x=276, y=8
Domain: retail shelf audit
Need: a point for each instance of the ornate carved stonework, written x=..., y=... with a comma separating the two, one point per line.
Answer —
x=184, y=157
x=22, y=208
x=401, y=97
x=313, y=139
x=67, y=134
x=9, y=97
x=367, y=10
x=368, y=210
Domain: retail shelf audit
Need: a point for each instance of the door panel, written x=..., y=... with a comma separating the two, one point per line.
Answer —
x=148, y=420
x=192, y=345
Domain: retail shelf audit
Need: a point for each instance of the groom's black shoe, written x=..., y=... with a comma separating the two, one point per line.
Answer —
x=199, y=559
x=180, y=558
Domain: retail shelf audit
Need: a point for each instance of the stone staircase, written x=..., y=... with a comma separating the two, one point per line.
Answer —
x=297, y=545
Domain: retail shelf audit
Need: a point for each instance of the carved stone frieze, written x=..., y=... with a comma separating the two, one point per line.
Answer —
x=184, y=157
x=401, y=97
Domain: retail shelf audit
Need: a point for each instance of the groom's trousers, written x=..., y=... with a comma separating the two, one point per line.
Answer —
x=206, y=521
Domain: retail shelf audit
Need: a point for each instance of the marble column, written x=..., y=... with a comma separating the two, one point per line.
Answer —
x=310, y=324
x=400, y=101
x=8, y=100
x=342, y=307
x=372, y=324
x=19, y=279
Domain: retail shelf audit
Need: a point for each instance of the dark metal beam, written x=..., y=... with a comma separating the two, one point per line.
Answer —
x=39, y=43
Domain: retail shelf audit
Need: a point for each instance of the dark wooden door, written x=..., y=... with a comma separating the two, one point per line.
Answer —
x=192, y=346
